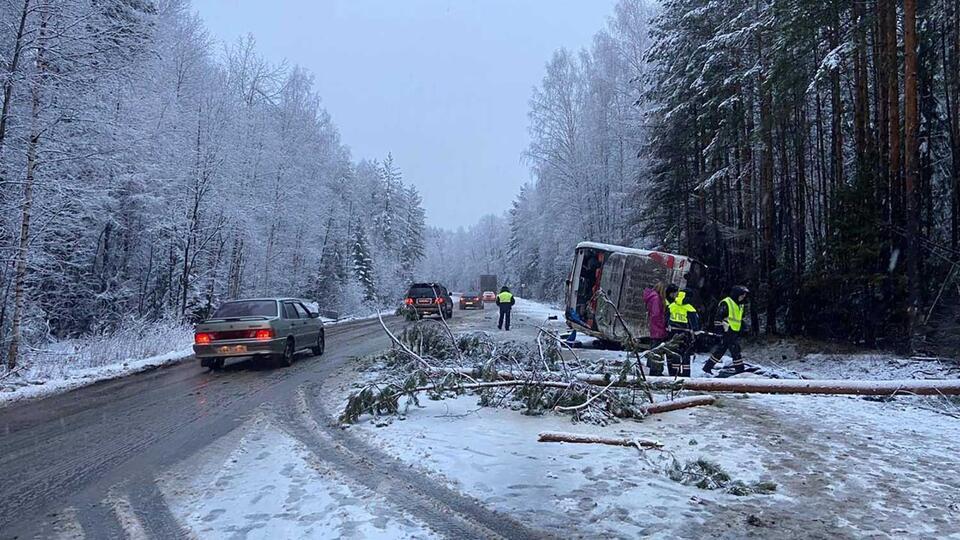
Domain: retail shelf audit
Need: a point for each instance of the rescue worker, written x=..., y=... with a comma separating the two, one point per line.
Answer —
x=505, y=300
x=729, y=315
x=684, y=321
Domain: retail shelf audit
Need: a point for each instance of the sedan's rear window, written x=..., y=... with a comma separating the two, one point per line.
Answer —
x=470, y=295
x=247, y=308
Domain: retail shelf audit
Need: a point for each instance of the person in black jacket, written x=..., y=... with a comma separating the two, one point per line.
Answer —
x=505, y=300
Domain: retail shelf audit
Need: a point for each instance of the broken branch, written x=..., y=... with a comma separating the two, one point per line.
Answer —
x=555, y=436
x=403, y=347
x=679, y=403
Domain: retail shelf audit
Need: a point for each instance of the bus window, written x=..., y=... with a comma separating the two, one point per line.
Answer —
x=591, y=270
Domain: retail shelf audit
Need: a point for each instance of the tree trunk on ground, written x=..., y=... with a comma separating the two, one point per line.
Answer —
x=679, y=403
x=553, y=436
x=923, y=387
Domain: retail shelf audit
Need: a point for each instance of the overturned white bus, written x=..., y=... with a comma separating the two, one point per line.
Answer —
x=623, y=273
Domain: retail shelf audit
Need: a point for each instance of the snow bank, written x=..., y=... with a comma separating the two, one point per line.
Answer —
x=350, y=318
x=788, y=357
x=68, y=364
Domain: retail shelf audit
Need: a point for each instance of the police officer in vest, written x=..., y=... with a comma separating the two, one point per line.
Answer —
x=684, y=321
x=730, y=316
x=505, y=300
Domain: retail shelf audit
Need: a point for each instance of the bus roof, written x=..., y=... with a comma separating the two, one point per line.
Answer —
x=630, y=251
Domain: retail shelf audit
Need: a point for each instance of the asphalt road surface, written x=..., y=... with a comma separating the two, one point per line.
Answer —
x=81, y=452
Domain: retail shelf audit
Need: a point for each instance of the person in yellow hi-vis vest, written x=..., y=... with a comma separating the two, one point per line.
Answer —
x=684, y=321
x=729, y=315
x=505, y=300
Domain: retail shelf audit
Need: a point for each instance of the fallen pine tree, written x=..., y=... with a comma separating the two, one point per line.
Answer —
x=428, y=359
x=385, y=399
x=921, y=387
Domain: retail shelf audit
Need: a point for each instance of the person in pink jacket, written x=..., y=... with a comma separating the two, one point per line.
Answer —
x=656, y=313
x=657, y=318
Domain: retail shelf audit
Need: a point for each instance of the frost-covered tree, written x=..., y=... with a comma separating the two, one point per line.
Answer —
x=363, y=269
x=147, y=172
x=586, y=153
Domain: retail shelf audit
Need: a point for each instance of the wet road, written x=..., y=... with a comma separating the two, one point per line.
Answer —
x=91, y=457
x=76, y=449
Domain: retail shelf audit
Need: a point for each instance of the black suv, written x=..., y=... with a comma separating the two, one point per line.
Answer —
x=429, y=299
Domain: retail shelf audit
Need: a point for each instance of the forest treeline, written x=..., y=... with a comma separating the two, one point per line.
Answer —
x=147, y=171
x=807, y=149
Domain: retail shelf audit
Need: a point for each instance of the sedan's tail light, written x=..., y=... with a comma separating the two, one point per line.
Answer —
x=265, y=333
x=202, y=338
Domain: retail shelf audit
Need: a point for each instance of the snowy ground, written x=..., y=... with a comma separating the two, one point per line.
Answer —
x=260, y=482
x=844, y=466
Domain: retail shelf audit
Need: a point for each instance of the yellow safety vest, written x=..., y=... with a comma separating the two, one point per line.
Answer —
x=505, y=296
x=734, y=314
x=679, y=312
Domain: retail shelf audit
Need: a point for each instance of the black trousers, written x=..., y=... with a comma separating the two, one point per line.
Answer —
x=504, y=318
x=730, y=341
x=680, y=365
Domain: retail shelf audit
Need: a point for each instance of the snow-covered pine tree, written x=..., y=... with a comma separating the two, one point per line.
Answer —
x=387, y=209
x=363, y=269
x=412, y=246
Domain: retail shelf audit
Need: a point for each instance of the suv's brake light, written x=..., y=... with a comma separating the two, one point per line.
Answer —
x=439, y=300
x=408, y=301
x=265, y=333
x=202, y=338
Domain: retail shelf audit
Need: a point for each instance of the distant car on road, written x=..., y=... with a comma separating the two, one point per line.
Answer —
x=471, y=300
x=429, y=299
x=489, y=296
x=277, y=328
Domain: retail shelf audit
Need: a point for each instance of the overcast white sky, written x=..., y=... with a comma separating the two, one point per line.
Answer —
x=443, y=84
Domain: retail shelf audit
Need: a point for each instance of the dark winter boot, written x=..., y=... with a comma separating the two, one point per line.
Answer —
x=738, y=367
x=709, y=365
x=655, y=365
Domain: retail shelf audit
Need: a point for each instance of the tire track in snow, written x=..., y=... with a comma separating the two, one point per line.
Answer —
x=447, y=512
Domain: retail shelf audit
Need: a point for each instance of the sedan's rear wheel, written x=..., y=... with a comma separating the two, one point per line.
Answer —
x=216, y=364
x=286, y=358
x=317, y=350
